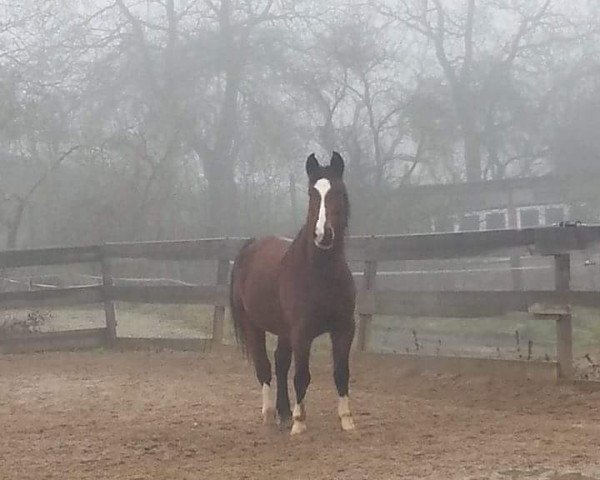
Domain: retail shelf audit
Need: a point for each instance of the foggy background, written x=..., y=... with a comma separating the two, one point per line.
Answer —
x=133, y=120
x=157, y=120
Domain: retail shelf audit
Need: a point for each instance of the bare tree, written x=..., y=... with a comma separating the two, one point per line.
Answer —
x=472, y=69
x=15, y=203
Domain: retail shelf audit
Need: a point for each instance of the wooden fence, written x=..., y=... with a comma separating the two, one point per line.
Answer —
x=547, y=305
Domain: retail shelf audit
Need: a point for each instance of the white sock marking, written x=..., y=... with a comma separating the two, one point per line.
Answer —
x=268, y=407
x=266, y=397
x=297, y=411
x=322, y=186
x=344, y=406
x=299, y=416
x=344, y=413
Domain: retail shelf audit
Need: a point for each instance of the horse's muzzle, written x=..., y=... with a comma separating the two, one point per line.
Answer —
x=325, y=241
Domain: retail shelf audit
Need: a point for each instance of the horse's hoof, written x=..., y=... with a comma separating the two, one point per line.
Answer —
x=269, y=417
x=348, y=424
x=298, y=428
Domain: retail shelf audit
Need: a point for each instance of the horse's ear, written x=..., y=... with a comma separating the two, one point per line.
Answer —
x=312, y=165
x=337, y=164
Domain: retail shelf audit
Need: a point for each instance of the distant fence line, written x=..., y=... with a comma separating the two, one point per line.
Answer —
x=441, y=275
x=40, y=282
x=554, y=305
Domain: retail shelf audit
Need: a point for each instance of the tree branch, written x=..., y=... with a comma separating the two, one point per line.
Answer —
x=468, y=43
x=52, y=168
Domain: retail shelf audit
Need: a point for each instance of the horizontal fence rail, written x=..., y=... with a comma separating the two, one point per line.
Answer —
x=473, y=304
x=555, y=242
x=530, y=241
x=216, y=295
x=61, y=297
x=49, y=256
x=69, y=340
x=203, y=249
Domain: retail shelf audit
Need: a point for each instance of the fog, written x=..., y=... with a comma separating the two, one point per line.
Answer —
x=155, y=120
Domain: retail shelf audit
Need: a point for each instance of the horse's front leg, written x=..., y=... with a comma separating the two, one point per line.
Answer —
x=283, y=360
x=341, y=341
x=301, y=348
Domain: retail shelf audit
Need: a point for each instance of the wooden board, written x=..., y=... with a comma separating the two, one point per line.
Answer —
x=201, y=249
x=468, y=304
x=61, y=297
x=177, y=344
x=543, y=241
x=527, y=241
x=49, y=256
x=53, y=341
x=171, y=294
x=546, y=309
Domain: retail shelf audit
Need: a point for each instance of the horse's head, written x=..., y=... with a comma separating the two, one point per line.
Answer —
x=328, y=207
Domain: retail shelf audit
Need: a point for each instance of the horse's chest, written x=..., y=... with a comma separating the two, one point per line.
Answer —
x=319, y=298
x=329, y=299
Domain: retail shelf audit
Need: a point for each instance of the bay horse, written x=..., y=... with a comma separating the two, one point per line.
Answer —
x=298, y=290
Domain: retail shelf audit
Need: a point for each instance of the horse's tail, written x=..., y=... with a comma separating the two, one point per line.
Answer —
x=234, y=304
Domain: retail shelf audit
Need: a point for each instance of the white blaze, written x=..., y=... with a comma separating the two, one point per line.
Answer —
x=322, y=186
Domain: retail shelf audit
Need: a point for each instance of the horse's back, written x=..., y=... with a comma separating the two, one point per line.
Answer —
x=255, y=282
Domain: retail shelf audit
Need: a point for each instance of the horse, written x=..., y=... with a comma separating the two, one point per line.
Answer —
x=298, y=290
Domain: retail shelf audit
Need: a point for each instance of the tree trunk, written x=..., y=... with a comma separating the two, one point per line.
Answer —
x=14, y=226
x=219, y=159
x=472, y=152
x=222, y=192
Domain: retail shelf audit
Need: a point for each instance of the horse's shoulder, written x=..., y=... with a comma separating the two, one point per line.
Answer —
x=273, y=242
x=267, y=250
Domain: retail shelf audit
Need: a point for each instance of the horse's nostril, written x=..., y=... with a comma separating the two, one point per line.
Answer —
x=324, y=239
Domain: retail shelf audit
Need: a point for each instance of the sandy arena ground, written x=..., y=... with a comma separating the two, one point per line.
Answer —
x=164, y=415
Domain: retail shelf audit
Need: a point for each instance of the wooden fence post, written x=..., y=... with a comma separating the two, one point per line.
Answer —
x=516, y=273
x=564, y=326
x=109, y=306
x=219, y=313
x=368, y=284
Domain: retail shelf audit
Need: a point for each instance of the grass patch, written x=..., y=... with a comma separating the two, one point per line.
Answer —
x=489, y=335
x=193, y=317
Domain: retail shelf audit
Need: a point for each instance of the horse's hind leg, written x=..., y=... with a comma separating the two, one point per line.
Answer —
x=341, y=342
x=256, y=343
x=283, y=360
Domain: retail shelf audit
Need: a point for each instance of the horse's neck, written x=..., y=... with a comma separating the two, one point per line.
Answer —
x=310, y=256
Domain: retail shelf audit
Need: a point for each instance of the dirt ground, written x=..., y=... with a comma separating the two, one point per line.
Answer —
x=165, y=415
